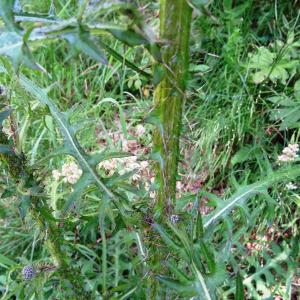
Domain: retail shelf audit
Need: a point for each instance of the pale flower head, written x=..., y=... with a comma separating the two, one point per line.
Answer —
x=108, y=165
x=144, y=164
x=140, y=130
x=71, y=172
x=56, y=175
x=289, y=153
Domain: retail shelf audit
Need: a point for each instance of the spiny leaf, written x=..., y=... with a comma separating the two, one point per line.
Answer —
x=71, y=143
x=13, y=46
x=246, y=192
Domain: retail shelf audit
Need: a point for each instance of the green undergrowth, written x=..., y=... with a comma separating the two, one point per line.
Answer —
x=238, y=206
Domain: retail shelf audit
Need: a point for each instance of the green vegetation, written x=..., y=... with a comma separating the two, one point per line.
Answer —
x=149, y=149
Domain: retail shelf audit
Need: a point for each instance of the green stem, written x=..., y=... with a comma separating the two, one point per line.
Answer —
x=19, y=171
x=175, y=22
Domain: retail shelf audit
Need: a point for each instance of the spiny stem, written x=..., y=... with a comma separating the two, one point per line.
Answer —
x=175, y=20
x=18, y=170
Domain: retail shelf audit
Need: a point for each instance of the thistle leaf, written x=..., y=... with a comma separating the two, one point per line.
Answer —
x=13, y=46
x=70, y=141
x=246, y=192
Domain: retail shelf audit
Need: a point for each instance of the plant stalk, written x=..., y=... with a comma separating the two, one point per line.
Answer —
x=169, y=96
x=20, y=172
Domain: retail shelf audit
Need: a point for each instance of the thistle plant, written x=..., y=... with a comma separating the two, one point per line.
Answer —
x=113, y=235
x=29, y=189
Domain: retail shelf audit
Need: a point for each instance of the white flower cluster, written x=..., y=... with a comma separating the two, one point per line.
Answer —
x=289, y=153
x=69, y=171
x=291, y=186
x=125, y=165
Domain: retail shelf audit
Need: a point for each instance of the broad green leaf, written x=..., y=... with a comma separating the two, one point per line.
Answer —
x=244, y=154
x=286, y=111
x=267, y=65
x=11, y=46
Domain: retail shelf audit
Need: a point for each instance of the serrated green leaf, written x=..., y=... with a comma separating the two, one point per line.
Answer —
x=71, y=143
x=246, y=192
x=13, y=46
x=201, y=285
x=244, y=154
